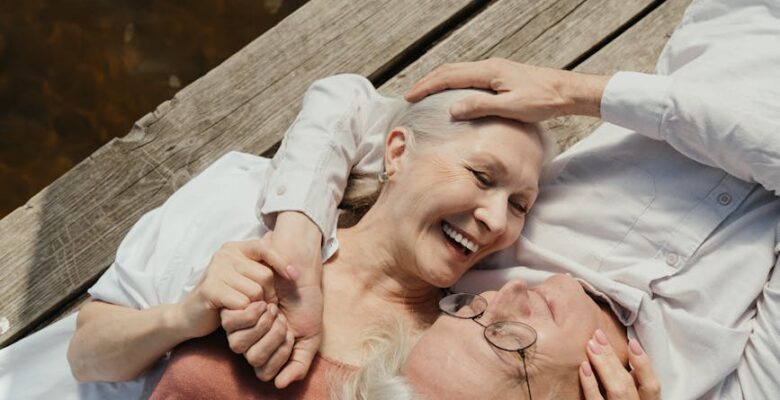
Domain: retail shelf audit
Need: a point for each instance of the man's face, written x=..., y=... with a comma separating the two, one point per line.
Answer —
x=453, y=359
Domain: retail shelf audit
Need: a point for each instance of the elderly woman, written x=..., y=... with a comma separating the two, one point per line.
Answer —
x=667, y=209
x=447, y=200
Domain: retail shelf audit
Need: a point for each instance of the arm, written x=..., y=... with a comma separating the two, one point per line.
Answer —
x=714, y=125
x=341, y=121
x=116, y=343
x=341, y=125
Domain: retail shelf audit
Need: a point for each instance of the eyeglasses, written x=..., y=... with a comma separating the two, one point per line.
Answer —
x=504, y=335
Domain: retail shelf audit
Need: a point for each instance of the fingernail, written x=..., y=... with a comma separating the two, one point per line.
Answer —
x=292, y=272
x=594, y=347
x=586, y=370
x=272, y=309
x=635, y=347
x=601, y=337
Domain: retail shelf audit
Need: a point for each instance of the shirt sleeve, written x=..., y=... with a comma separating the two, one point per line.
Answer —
x=713, y=125
x=341, y=125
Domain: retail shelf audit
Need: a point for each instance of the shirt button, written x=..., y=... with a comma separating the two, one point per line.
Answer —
x=280, y=190
x=724, y=199
x=672, y=259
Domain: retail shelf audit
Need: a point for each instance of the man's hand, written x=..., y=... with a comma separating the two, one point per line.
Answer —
x=283, y=340
x=233, y=279
x=523, y=92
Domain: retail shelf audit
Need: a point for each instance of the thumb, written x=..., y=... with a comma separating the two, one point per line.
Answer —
x=300, y=361
x=482, y=105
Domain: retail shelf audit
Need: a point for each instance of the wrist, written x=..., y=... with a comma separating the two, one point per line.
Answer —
x=178, y=320
x=582, y=93
x=295, y=227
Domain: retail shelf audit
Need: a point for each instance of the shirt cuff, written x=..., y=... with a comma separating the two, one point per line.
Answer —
x=637, y=101
x=292, y=192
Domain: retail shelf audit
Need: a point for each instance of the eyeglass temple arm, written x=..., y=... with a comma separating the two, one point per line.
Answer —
x=525, y=373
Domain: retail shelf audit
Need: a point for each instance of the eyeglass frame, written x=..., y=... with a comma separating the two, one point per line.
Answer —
x=448, y=293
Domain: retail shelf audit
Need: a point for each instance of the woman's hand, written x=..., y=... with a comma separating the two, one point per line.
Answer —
x=639, y=384
x=300, y=296
x=523, y=92
x=261, y=333
x=234, y=278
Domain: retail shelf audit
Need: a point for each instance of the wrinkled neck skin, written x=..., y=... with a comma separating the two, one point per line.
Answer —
x=368, y=283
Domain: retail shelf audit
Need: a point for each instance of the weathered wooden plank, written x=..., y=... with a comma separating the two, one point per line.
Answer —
x=635, y=50
x=551, y=33
x=56, y=244
x=554, y=33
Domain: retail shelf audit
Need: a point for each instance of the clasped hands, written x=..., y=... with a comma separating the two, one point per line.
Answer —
x=238, y=292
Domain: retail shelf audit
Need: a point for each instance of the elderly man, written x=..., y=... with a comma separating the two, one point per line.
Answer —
x=667, y=208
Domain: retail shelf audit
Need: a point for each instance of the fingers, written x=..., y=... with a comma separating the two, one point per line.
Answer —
x=260, y=352
x=301, y=358
x=484, y=104
x=452, y=76
x=241, y=341
x=642, y=370
x=261, y=275
x=590, y=386
x=261, y=250
x=614, y=377
x=233, y=320
x=277, y=360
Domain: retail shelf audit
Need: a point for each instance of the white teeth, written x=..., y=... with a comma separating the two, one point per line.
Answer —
x=450, y=231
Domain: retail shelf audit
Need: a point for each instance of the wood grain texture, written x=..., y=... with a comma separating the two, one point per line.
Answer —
x=551, y=33
x=53, y=247
x=637, y=49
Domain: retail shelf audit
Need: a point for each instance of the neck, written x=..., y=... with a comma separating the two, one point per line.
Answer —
x=368, y=269
x=366, y=286
x=615, y=331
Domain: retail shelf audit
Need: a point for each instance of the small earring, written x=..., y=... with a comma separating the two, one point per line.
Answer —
x=382, y=177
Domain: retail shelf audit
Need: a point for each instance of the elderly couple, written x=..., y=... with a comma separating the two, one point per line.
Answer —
x=645, y=269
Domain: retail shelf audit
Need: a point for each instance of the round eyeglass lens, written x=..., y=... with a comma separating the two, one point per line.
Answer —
x=510, y=336
x=463, y=305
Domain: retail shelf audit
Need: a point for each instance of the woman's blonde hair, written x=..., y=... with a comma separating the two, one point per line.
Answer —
x=428, y=122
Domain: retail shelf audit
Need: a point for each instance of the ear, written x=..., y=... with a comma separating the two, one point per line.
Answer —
x=396, y=146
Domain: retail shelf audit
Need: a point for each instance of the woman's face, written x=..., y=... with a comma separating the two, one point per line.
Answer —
x=452, y=203
x=453, y=359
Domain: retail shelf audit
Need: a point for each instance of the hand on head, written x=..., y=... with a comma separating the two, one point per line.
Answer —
x=523, y=92
x=610, y=374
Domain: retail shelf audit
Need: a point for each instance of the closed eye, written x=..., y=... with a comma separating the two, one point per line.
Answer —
x=519, y=207
x=483, y=178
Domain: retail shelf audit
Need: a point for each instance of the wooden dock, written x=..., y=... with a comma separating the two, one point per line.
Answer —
x=57, y=245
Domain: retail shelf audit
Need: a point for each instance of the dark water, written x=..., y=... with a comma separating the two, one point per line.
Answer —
x=74, y=74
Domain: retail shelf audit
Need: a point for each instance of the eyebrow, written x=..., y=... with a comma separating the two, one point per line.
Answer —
x=500, y=168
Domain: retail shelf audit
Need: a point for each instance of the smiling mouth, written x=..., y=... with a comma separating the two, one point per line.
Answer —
x=462, y=244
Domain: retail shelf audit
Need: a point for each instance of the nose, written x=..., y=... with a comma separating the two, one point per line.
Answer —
x=510, y=303
x=493, y=214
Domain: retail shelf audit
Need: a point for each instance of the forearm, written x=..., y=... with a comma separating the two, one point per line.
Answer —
x=116, y=343
x=295, y=227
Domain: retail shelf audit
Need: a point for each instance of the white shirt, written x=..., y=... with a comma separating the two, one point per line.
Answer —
x=666, y=208
x=160, y=260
